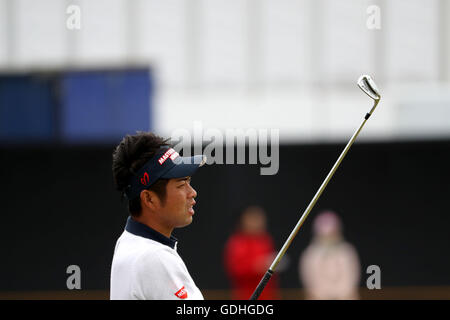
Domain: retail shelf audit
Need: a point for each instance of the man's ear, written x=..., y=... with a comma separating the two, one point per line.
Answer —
x=150, y=200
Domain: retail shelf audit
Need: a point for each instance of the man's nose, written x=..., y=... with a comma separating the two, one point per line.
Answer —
x=193, y=193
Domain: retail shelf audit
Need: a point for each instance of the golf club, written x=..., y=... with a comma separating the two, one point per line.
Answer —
x=366, y=84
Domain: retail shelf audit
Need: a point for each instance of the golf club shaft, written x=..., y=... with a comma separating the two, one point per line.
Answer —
x=305, y=214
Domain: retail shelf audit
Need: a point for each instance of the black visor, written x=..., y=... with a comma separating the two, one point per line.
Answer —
x=166, y=164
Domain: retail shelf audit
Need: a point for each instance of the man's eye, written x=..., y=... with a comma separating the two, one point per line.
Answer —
x=185, y=182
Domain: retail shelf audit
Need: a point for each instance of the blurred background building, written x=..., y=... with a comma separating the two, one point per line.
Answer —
x=76, y=75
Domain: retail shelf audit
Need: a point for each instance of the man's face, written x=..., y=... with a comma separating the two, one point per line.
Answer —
x=177, y=209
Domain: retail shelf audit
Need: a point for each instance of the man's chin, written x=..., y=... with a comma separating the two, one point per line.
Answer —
x=187, y=222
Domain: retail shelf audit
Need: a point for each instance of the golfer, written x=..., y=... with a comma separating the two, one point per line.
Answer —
x=156, y=181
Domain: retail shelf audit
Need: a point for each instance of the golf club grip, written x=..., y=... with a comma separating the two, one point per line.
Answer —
x=259, y=289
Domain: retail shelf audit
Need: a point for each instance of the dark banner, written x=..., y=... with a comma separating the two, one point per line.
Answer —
x=59, y=209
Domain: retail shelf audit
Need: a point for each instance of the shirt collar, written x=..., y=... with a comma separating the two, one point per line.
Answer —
x=142, y=230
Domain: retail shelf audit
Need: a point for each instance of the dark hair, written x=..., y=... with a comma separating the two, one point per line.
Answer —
x=129, y=156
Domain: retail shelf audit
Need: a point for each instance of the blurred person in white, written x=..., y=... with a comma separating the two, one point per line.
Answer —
x=329, y=268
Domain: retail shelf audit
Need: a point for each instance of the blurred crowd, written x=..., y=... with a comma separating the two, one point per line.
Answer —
x=328, y=268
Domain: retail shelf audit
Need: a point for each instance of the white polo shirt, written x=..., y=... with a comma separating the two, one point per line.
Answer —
x=146, y=266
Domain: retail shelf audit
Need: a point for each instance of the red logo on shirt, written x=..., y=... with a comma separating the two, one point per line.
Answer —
x=182, y=293
x=144, y=179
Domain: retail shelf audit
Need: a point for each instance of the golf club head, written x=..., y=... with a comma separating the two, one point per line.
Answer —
x=366, y=84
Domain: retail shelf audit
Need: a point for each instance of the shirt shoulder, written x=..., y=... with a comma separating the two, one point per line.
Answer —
x=160, y=274
x=157, y=260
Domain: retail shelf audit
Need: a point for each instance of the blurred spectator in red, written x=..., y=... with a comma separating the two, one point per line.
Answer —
x=248, y=254
x=329, y=268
